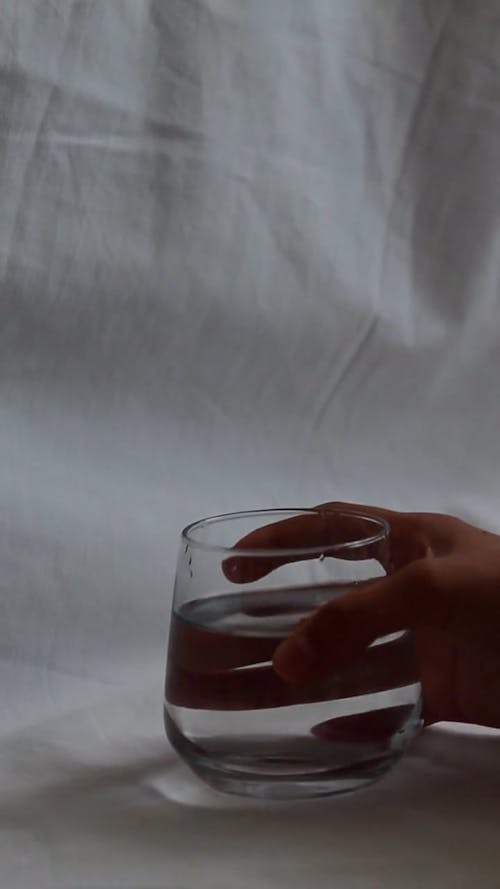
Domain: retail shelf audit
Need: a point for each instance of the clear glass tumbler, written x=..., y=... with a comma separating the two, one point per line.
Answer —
x=243, y=583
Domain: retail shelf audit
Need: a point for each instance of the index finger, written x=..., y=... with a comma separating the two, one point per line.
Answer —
x=413, y=536
x=341, y=530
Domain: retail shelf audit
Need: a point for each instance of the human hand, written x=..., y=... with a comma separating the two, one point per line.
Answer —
x=444, y=585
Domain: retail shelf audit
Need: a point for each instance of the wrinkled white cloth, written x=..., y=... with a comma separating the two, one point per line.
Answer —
x=249, y=256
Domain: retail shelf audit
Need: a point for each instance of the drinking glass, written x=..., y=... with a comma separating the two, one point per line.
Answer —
x=233, y=720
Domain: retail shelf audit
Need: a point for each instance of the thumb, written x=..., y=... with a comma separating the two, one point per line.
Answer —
x=341, y=630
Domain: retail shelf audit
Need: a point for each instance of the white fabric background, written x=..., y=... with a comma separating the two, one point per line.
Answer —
x=249, y=256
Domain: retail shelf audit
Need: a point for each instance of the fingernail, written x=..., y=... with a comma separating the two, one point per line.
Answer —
x=295, y=657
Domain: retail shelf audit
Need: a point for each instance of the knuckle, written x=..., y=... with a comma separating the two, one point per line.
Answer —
x=423, y=572
x=450, y=525
x=330, y=505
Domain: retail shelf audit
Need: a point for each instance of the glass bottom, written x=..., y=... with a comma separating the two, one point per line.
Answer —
x=279, y=777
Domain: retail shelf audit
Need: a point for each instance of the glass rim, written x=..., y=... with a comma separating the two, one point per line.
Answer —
x=277, y=552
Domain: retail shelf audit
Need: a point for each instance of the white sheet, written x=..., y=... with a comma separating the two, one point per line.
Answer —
x=248, y=256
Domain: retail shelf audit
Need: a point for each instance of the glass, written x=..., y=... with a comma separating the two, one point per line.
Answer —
x=239, y=726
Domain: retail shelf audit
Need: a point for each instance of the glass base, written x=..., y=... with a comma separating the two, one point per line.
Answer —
x=280, y=778
x=282, y=789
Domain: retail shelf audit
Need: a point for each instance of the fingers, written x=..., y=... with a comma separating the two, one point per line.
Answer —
x=248, y=569
x=307, y=532
x=342, y=629
x=413, y=536
x=458, y=594
x=383, y=667
x=315, y=533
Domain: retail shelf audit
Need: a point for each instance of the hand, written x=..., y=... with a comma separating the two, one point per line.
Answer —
x=445, y=586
